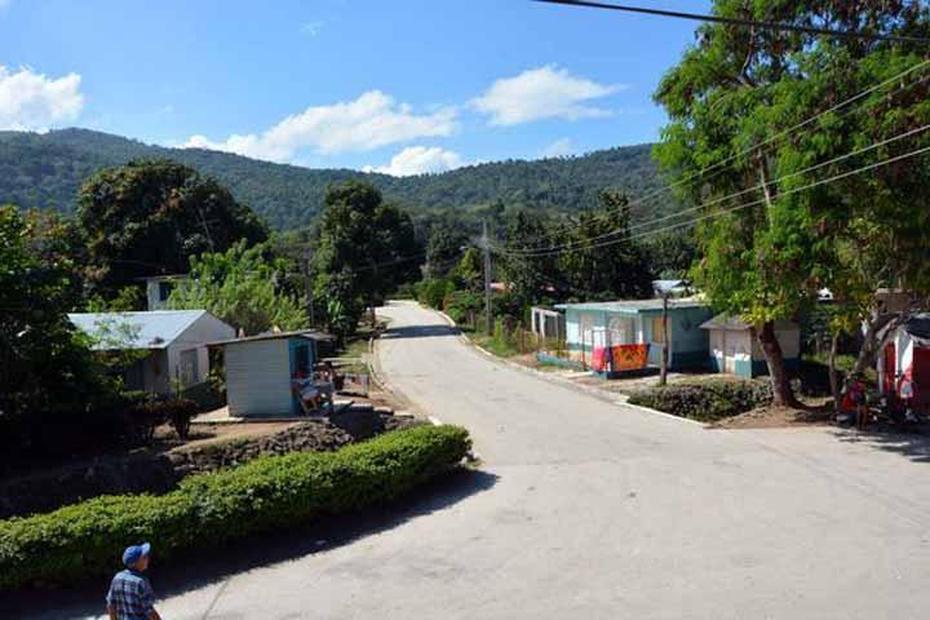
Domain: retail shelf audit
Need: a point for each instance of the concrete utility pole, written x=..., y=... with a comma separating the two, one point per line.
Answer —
x=486, y=246
x=663, y=369
x=308, y=287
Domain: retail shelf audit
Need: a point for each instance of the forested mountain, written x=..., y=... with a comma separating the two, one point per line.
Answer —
x=45, y=170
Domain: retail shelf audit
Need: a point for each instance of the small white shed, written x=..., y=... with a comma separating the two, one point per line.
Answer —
x=261, y=370
x=734, y=348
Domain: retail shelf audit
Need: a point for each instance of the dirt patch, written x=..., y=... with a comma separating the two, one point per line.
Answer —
x=777, y=417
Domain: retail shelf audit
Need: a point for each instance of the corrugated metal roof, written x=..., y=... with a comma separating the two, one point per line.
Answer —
x=303, y=333
x=155, y=329
x=634, y=305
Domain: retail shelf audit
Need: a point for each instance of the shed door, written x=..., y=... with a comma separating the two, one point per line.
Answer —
x=889, y=368
x=921, y=374
x=731, y=349
x=190, y=373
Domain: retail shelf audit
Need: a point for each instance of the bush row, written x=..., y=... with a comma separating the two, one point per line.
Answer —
x=86, y=539
x=706, y=401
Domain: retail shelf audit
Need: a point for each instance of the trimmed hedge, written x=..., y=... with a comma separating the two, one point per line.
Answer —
x=86, y=539
x=707, y=401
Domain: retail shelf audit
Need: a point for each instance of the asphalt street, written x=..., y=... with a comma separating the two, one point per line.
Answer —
x=582, y=508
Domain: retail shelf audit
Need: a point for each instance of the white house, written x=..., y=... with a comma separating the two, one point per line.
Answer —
x=158, y=289
x=176, y=342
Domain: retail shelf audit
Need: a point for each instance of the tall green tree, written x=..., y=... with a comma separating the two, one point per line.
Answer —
x=733, y=90
x=447, y=236
x=149, y=217
x=604, y=262
x=365, y=248
x=242, y=286
x=45, y=366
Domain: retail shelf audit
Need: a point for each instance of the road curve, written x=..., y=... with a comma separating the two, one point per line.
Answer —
x=586, y=509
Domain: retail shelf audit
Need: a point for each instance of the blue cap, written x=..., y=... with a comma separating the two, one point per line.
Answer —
x=132, y=554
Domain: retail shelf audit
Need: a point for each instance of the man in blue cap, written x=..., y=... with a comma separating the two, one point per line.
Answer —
x=131, y=596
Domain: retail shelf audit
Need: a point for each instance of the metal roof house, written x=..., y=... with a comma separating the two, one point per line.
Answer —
x=734, y=348
x=261, y=371
x=176, y=341
x=589, y=326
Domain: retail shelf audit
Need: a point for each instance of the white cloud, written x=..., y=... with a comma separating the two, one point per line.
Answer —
x=419, y=160
x=559, y=148
x=546, y=92
x=34, y=101
x=308, y=28
x=371, y=121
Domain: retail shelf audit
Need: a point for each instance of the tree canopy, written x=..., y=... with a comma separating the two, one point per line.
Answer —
x=150, y=217
x=769, y=241
x=365, y=248
x=242, y=286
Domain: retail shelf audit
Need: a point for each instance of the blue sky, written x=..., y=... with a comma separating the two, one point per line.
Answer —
x=404, y=87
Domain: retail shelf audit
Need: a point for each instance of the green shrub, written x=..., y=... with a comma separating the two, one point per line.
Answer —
x=708, y=400
x=432, y=292
x=460, y=305
x=86, y=539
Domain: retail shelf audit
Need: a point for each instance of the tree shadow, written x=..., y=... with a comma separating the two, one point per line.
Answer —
x=199, y=569
x=421, y=331
x=912, y=445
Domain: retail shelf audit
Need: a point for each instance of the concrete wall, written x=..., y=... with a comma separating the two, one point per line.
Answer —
x=738, y=352
x=205, y=329
x=258, y=378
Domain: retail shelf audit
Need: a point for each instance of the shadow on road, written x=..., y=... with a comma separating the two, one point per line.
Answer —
x=421, y=331
x=914, y=446
x=200, y=569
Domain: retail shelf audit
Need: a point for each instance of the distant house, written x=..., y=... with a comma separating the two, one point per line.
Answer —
x=158, y=289
x=598, y=325
x=734, y=348
x=262, y=370
x=175, y=342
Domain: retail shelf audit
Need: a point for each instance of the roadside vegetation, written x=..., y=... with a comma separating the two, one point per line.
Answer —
x=81, y=541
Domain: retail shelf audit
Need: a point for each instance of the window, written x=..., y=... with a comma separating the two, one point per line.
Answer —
x=658, y=334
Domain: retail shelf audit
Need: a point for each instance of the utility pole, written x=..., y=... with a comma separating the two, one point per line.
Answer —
x=308, y=286
x=486, y=246
x=663, y=370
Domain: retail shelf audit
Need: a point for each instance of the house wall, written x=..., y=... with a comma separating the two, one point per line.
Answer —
x=258, y=378
x=738, y=352
x=155, y=372
x=687, y=341
x=206, y=329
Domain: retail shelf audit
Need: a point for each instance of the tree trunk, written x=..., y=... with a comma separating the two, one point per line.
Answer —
x=781, y=389
x=834, y=379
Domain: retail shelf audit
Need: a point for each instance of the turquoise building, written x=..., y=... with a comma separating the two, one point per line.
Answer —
x=639, y=321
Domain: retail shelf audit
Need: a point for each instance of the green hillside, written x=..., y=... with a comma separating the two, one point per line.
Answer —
x=45, y=170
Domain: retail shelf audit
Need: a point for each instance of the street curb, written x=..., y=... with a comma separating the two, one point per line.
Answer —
x=603, y=395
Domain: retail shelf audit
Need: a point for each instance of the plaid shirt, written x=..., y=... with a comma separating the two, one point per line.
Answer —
x=131, y=595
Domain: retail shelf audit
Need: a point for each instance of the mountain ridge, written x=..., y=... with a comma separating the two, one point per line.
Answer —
x=46, y=170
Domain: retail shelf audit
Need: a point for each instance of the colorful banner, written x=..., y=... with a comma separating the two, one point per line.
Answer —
x=629, y=357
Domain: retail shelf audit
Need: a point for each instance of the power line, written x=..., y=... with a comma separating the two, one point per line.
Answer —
x=718, y=166
x=731, y=209
x=760, y=186
x=735, y=21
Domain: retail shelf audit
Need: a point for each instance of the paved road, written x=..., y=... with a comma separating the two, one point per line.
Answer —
x=586, y=509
